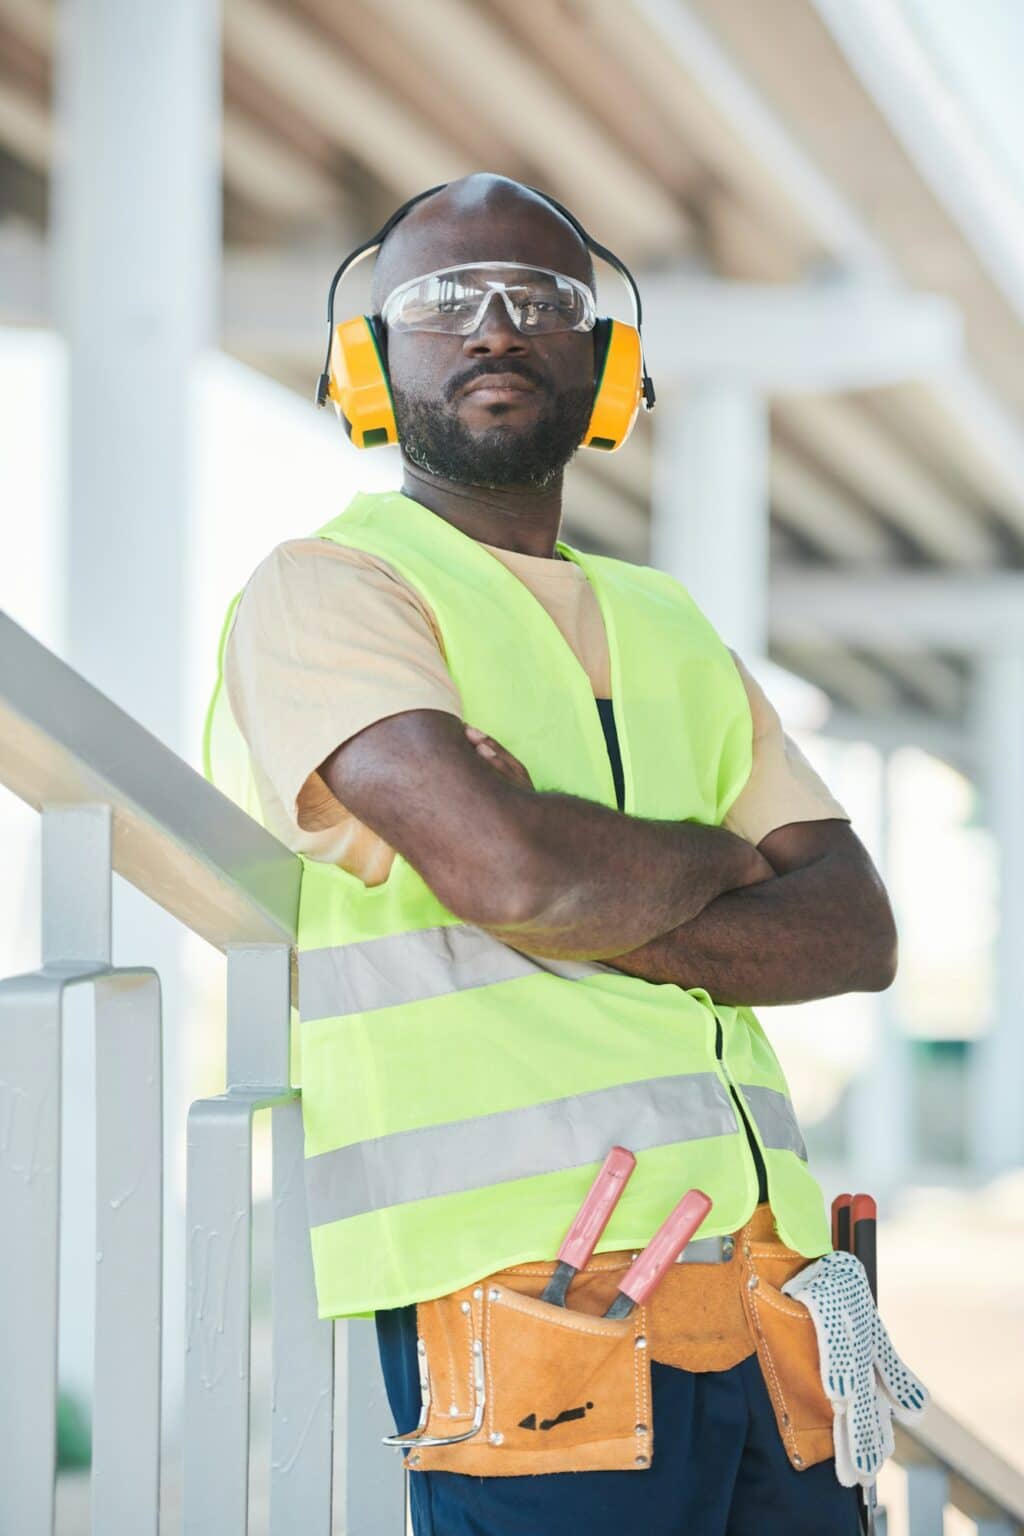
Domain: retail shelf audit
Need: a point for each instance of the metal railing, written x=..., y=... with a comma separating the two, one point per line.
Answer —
x=112, y=798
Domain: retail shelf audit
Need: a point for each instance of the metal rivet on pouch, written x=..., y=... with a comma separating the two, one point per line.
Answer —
x=641, y=1461
x=752, y=1283
x=415, y=1460
x=798, y=1461
x=493, y=1293
x=746, y=1249
x=478, y=1292
x=641, y=1429
x=641, y=1342
x=785, y=1418
x=497, y=1437
x=728, y=1245
x=477, y=1347
x=465, y=1306
x=453, y=1411
x=421, y=1348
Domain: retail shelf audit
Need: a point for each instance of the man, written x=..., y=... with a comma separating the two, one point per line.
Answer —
x=348, y=675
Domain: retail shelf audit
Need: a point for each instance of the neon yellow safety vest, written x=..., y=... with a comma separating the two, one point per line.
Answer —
x=458, y=1096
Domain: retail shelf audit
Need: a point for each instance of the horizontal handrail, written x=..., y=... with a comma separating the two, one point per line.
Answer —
x=176, y=838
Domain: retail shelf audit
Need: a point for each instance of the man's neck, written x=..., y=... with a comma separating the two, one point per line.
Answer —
x=523, y=520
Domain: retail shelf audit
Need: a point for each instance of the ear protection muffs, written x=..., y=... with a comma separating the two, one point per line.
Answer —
x=358, y=383
x=355, y=373
x=618, y=385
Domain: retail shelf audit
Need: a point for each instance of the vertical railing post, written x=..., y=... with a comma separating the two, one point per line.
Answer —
x=219, y=1307
x=30, y=1027
x=927, y=1497
x=129, y=1252
x=302, y=1410
x=76, y=949
x=373, y=1480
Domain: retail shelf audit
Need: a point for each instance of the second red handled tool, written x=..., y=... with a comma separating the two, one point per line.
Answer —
x=863, y=1240
x=661, y=1253
x=591, y=1220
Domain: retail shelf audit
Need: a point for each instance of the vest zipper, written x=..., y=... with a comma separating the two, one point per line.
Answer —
x=755, y=1150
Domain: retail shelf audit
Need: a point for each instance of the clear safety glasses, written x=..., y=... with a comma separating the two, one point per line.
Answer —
x=454, y=300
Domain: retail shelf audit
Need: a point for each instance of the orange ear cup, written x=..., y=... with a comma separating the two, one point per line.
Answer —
x=617, y=398
x=359, y=384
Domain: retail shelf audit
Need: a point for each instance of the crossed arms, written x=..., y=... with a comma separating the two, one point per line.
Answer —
x=801, y=916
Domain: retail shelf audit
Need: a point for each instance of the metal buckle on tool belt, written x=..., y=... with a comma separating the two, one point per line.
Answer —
x=708, y=1250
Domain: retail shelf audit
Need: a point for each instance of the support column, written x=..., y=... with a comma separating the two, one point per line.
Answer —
x=879, y=1118
x=996, y=1130
x=136, y=240
x=711, y=505
x=137, y=235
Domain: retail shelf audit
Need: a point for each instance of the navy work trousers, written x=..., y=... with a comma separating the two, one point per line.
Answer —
x=719, y=1467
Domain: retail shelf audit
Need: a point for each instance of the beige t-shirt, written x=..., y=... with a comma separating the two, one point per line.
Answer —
x=327, y=640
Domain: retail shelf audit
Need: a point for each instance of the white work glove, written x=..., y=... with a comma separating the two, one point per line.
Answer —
x=862, y=1374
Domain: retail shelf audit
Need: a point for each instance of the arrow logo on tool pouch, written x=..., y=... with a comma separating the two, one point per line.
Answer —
x=565, y=1417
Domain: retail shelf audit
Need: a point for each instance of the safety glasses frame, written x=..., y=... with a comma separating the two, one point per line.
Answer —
x=588, y=322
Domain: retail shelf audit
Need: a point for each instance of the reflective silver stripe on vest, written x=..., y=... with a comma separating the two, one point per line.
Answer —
x=410, y=967
x=515, y=1144
x=776, y=1120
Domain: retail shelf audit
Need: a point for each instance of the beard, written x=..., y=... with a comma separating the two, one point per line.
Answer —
x=432, y=436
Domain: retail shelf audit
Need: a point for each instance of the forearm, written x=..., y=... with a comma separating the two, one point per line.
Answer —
x=602, y=882
x=807, y=934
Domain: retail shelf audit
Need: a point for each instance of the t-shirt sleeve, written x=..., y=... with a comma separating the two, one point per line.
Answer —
x=782, y=787
x=326, y=641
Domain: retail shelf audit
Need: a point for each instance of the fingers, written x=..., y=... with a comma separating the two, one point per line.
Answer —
x=500, y=758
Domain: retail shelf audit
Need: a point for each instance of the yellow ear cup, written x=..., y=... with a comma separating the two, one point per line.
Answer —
x=617, y=398
x=359, y=384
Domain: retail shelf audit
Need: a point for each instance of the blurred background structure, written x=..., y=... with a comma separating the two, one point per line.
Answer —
x=823, y=202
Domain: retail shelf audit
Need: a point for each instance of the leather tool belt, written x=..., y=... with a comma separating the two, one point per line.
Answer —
x=512, y=1386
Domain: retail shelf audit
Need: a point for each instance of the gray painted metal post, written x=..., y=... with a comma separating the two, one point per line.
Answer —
x=30, y=1024
x=218, y=1219
x=302, y=1409
x=218, y=1312
x=927, y=1497
x=76, y=950
x=372, y=1492
x=129, y=1254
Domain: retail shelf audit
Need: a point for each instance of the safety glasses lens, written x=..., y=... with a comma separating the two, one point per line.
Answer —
x=455, y=301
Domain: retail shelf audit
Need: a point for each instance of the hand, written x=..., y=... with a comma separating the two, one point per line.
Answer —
x=499, y=758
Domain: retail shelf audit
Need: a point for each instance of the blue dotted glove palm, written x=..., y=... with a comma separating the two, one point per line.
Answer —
x=865, y=1379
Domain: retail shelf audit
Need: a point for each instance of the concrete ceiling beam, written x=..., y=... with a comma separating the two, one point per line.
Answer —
x=900, y=610
x=779, y=339
x=613, y=195
x=348, y=106
x=886, y=477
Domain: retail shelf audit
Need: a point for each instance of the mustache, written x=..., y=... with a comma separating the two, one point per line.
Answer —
x=488, y=365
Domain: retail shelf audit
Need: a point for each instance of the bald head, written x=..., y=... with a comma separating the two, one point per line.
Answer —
x=480, y=218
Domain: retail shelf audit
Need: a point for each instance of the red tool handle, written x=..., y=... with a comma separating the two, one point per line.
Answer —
x=864, y=1228
x=593, y=1215
x=665, y=1246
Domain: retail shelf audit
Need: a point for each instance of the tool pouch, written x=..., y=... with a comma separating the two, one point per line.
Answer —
x=550, y=1389
x=786, y=1343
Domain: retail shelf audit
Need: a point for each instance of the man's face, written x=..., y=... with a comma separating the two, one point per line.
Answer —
x=496, y=407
